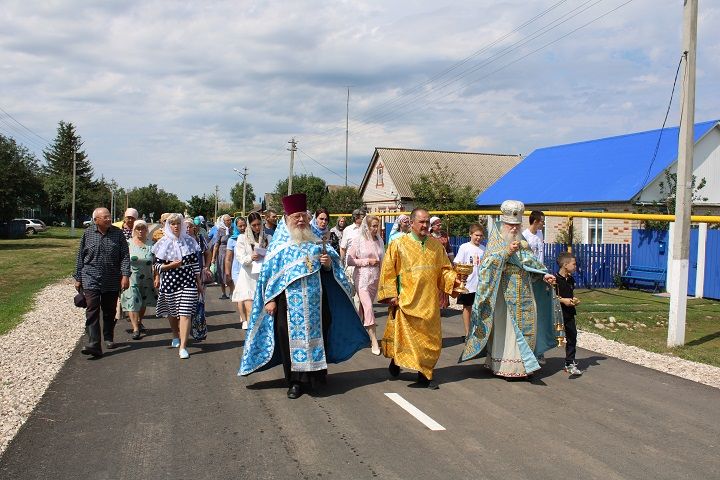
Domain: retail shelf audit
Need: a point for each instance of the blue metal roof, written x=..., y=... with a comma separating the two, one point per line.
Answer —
x=612, y=169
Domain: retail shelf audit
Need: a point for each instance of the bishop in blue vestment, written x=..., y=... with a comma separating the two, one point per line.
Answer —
x=515, y=309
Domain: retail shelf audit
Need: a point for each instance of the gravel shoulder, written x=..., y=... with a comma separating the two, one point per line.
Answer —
x=34, y=352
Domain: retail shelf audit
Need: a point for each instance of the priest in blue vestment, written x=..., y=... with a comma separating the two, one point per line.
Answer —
x=515, y=310
x=303, y=316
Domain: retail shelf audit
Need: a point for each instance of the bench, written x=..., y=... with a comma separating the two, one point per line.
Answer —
x=644, y=275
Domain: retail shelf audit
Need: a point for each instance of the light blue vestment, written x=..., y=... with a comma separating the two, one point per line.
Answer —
x=293, y=270
x=531, y=306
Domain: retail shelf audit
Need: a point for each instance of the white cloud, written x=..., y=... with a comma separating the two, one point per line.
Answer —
x=179, y=93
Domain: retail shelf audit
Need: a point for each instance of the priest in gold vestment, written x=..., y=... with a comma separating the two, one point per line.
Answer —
x=415, y=269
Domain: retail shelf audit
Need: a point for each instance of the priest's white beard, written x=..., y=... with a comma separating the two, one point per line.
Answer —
x=300, y=235
x=510, y=237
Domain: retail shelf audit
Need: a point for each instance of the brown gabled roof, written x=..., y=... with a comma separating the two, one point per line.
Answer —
x=476, y=170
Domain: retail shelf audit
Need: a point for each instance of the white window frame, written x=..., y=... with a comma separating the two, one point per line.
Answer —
x=594, y=224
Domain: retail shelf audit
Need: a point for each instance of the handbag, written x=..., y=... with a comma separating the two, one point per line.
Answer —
x=79, y=300
x=199, y=326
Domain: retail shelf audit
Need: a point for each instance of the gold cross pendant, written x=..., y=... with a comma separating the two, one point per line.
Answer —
x=308, y=262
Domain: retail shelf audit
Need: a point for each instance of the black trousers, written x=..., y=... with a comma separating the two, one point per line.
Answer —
x=96, y=301
x=570, y=339
x=282, y=340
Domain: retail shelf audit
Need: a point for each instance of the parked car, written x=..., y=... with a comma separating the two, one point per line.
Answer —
x=87, y=223
x=33, y=225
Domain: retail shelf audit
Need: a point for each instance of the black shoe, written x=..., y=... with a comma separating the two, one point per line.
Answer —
x=393, y=369
x=136, y=335
x=109, y=344
x=427, y=383
x=94, y=351
x=295, y=391
x=142, y=328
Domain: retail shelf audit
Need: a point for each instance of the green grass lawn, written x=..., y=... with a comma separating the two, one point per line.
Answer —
x=702, y=330
x=29, y=264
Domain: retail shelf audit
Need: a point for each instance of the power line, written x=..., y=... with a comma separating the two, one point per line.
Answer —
x=534, y=35
x=420, y=107
x=339, y=175
x=455, y=66
x=544, y=30
x=15, y=132
x=26, y=128
x=473, y=55
x=667, y=112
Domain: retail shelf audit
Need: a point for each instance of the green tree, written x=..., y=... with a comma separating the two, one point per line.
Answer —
x=440, y=190
x=204, y=206
x=237, y=197
x=58, y=174
x=343, y=200
x=666, y=202
x=20, y=179
x=154, y=201
x=310, y=185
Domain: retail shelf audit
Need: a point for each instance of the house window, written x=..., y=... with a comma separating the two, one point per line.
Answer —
x=593, y=229
x=379, y=182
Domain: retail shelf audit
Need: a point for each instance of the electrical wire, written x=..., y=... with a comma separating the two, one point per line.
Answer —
x=454, y=66
x=26, y=128
x=667, y=112
x=545, y=29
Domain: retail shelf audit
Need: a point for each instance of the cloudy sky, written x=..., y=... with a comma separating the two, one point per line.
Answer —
x=179, y=93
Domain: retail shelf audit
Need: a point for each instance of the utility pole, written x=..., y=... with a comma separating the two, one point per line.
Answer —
x=683, y=198
x=347, y=131
x=293, y=149
x=244, y=175
x=127, y=201
x=72, y=209
x=216, y=202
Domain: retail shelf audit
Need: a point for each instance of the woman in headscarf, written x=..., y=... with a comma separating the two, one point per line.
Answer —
x=231, y=267
x=336, y=233
x=366, y=254
x=219, y=249
x=400, y=227
x=250, y=248
x=320, y=222
x=141, y=293
x=198, y=328
x=177, y=279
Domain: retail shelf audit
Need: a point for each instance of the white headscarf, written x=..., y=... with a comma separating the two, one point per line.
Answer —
x=396, y=225
x=365, y=228
x=262, y=241
x=170, y=247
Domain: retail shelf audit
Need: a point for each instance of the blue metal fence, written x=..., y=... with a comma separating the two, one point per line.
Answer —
x=598, y=266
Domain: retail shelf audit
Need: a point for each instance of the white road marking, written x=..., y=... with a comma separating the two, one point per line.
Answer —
x=414, y=411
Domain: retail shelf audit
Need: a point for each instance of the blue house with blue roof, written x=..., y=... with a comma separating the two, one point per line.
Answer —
x=614, y=174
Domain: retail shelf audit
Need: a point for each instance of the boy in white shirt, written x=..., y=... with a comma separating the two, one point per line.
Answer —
x=470, y=252
x=534, y=234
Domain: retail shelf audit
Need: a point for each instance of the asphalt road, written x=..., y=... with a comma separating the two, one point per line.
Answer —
x=142, y=413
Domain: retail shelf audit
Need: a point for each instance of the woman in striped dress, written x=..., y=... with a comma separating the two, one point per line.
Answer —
x=177, y=278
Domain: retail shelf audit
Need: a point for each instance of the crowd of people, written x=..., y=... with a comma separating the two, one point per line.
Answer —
x=305, y=291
